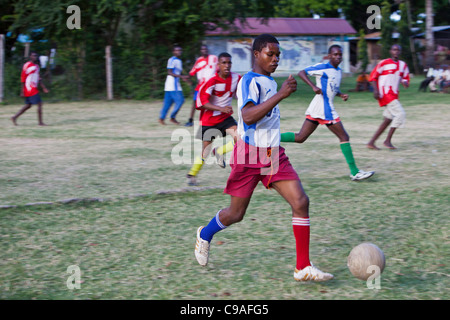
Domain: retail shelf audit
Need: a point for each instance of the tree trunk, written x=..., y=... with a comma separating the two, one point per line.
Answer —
x=411, y=39
x=2, y=64
x=429, y=36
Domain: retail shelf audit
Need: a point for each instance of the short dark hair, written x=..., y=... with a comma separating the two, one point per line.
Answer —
x=224, y=55
x=334, y=46
x=262, y=40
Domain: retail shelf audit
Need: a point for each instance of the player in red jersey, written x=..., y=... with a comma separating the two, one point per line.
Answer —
x=205, y=68
x=386, y=77
x=30, y=80
x=214, y=103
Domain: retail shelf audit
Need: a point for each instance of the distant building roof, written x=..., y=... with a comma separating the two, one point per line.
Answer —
x=396, y=35
x=435, y=29
x=287, y=26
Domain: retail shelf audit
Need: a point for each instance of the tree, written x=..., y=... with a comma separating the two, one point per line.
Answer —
x=306, y=8
x=406, y=40
x=429, y=36
x=362, y=51
x=387, y=28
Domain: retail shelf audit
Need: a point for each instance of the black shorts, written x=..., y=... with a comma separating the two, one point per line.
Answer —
x=209, y=133
x=33, y=99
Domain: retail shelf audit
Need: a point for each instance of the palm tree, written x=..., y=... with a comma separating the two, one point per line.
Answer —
x=429, y=36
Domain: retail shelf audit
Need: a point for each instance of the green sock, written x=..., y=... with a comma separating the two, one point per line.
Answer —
x=288, y=137
x=348, y=154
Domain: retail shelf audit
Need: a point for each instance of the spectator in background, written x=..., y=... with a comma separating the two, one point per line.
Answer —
x=445, y=82
x=437, y=74
x=363, y=83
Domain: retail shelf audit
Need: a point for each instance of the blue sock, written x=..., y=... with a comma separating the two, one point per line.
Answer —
x=212, y=228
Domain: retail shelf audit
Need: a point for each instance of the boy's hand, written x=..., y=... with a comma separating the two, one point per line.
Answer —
x=317, y=90
x=344, y=96
x=227, y=109
x=376, y=95
x=405, y=83
x=289, y=86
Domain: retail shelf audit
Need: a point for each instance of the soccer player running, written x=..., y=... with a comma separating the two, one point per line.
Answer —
x=205, y=67
x=258, y=156
x=31, y=79
x=214, y=101
x=386, y=78
x=321, y=109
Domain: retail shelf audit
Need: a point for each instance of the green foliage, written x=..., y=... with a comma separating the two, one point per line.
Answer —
x=387, y=28
x=141, y=33
x=404, y=40
x=363, y=56
x=306, y=8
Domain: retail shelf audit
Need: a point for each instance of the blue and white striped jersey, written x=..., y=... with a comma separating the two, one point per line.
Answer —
x=257, y=88
x=328, y=78
x=172, y=83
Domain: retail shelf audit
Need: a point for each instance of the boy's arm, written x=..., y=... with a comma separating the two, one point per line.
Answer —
x=373, y=78
x=44, y=88
x=213, y=107
x=344, y=96
x=302, y=74
x=252, y=113
x=376, y=93
x=183, y=77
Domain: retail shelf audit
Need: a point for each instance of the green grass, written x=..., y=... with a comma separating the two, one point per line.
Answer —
x=138, y=244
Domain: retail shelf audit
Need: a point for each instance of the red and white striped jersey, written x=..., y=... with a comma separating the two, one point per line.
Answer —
x=388, y=74
x=219, y=92
x=30, y=78
x=205, y=68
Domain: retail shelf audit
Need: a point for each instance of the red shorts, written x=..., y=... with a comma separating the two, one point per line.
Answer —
x=322, y=121
x=244, y=178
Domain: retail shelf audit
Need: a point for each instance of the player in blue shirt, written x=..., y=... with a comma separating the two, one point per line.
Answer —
x=258, y=156
x=321, y=109
x=173, y=92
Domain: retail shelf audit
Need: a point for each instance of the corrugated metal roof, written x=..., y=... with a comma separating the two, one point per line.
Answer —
x=288, y=26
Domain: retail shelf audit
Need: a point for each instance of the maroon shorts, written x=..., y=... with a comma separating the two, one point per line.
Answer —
x=244, y=178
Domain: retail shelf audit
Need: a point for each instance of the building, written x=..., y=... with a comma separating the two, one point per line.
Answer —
x=441, y=40
x=303, y=41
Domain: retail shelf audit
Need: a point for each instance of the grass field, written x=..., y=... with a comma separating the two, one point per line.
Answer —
x=136, y=242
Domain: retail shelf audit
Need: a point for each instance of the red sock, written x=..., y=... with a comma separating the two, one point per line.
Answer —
x=301, y=233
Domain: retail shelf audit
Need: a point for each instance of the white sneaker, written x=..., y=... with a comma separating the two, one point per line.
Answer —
x=220, y=159
x=201, y=249
x=311, y=273
x=361, y=175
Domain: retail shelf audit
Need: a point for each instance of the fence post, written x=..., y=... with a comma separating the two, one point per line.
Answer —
x=2, y=65
x=109, y=74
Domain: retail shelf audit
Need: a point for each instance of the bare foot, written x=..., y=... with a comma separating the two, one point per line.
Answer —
x=14, y=121
x=372, y=146
x=43, y=124
x=389, y=145
x=174, y=121
x=161, y=121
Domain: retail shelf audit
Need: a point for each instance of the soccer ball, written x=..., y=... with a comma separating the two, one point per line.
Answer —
x=365, y=259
